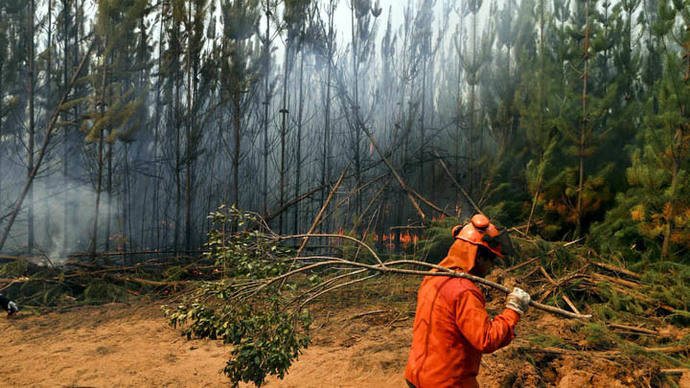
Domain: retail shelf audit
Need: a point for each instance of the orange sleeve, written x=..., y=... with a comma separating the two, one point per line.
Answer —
x=479, y=330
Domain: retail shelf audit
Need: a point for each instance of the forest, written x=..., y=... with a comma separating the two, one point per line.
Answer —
x=236, y=135
x=567, y=118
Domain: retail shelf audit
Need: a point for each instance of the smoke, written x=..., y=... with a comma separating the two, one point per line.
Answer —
x=64, y=212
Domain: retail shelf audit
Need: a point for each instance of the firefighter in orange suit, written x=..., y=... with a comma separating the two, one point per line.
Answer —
x=452, y=328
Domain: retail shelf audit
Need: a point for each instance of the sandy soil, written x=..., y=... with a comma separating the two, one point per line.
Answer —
x=105, y=346
x=124, y=346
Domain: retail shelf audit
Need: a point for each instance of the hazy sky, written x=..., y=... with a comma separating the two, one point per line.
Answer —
x=395, y=10
x=390, y=8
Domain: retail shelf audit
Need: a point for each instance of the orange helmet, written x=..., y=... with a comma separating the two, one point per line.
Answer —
x=468, y=238
x=480, y=232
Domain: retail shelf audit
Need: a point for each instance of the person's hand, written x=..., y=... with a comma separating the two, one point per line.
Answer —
x=518, y=301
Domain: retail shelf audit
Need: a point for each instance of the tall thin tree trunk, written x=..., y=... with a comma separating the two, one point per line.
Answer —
x=299, y=140
x=188, y=141
x=458, y=93
x=236, y=152
x=541, y=99
x=143, y=76
x=99, y=179
x=70, y=212
x=432, y=118
x=355, y=72
x=109, y=191
x=65, y=141
x=178, y=161
x=421, y=125
x=283, y=133
x=156, y=135
x=402, y=123
x=325, y=170
x=126, y=222
x=472, y=129
x=1, y=120
x=267, y=103
x=30, y=151
x=583, y=127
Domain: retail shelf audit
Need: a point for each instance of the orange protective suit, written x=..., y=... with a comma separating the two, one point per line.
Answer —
x=452, y=328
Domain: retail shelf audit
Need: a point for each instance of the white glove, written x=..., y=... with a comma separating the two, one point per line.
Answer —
x=518, y=301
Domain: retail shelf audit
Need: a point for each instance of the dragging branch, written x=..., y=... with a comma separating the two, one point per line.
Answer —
x=392, y=267
x=442, y=271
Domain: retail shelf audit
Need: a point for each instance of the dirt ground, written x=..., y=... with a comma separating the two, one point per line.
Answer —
x=123, y=346
x=117, y=345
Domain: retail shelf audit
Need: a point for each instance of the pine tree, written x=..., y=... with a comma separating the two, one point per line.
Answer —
x=579, y=189
x=112, y=104
x=363, y=15
x=478, y=56
x=514, y=36
x=517, y=106
x=653, y=215
x=239, y=71
x=194, y=38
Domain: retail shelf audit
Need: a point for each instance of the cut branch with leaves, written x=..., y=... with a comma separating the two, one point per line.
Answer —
x=259, y=305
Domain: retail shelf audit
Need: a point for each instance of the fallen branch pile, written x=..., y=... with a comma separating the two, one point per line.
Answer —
x=639, y=312
x=98, y=281
x=582, y=275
